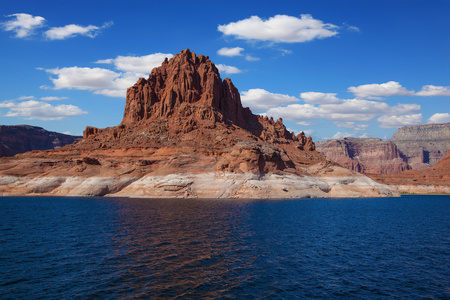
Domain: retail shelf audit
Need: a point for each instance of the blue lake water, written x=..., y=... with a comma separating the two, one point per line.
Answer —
x=89, y=248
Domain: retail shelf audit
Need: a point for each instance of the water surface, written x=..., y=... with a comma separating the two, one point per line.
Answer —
x=55, y=248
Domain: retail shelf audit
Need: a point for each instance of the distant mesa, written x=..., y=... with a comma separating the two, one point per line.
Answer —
x=411, y=147
x=22, y=138
x=185, y=133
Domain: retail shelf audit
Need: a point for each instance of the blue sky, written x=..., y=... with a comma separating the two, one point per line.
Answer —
x=329, y=68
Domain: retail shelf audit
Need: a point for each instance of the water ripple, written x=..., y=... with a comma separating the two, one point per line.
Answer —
x=54, y=248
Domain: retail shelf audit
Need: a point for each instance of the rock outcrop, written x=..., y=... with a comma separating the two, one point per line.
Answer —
x=411, y=147
x=23, y=138
x=424, y=145
x=364, y=155
x=185, y=134
x=435, y=179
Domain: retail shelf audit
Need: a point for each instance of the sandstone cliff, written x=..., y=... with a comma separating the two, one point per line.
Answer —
x=411, y=147
x=185, y=134
x=23, y=138
x=423, y=146
x=368, y=155
x=435, y=179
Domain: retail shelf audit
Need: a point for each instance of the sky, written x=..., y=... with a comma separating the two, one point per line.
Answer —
x=330, y=68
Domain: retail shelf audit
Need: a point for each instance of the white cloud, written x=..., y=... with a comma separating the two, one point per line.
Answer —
x=280, y=28
x=38, y=110
x=404, y=109
x=353, y=125
x=353, y=28
x=139, y=64
x=348, y=113
x=51, y=98
x=251, y=58
x=84, y=78
x=26, y=98
x=376, y=91
x=23, y=25
x=104, y=81
x=295, y=112
x=304, y=123
x=320, y=98
x=355, y=106
x=72, y=30
x=228, y=69
x=433, y=90
x=230, y=52
x=390, y=121
x=260, y=99
x=439, y=118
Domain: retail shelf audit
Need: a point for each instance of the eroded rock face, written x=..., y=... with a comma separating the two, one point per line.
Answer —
x=186, y=78
x=364, y=155
x=23, y=138
x=411, y=147
x=423, y=146
x=435, y=179
x=185, y=102
x=185, y=134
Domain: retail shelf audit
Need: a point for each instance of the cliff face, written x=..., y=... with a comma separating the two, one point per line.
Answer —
x=423, y=146
x=435, y=179
x=184, y=101
x=411, y=147
x=23, y=138
x=185, y=134
x=186, y=78
x=364, y=155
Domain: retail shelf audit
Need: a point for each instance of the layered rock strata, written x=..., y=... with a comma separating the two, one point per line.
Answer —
x=435, y=179
x=411, y=147
x=423, y=146
x=368, y=155
x=185, y=134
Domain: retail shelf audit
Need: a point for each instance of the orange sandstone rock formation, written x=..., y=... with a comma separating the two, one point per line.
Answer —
x=185, y=134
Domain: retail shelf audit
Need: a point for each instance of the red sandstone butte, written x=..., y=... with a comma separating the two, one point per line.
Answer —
x=185, y=133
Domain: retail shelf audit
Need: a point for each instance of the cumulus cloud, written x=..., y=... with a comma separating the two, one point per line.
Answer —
x=105, y=81
x=101, y=81
x=433, y=90
x=280, y=28
x=38, y=110
x=392, y=121
x=72, y=30
x=139, y=64
x=377, y=91
x=83, y=78
x=23, y=25
x=52, y=98
x=228, y=69
x=230, y=52
x=353, y=125
x=347, y=113
x=304, y=123
x=295, y=112
x=320, y=98
x=261, y=100
x=251, y=58
x=439, y=118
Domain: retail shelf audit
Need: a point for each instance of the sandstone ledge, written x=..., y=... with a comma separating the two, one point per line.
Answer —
x=206, y=185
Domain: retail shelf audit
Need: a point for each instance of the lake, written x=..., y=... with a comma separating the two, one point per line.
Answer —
x=66, y=248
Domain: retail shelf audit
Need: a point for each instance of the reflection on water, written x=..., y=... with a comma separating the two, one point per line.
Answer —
x=57, y=248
